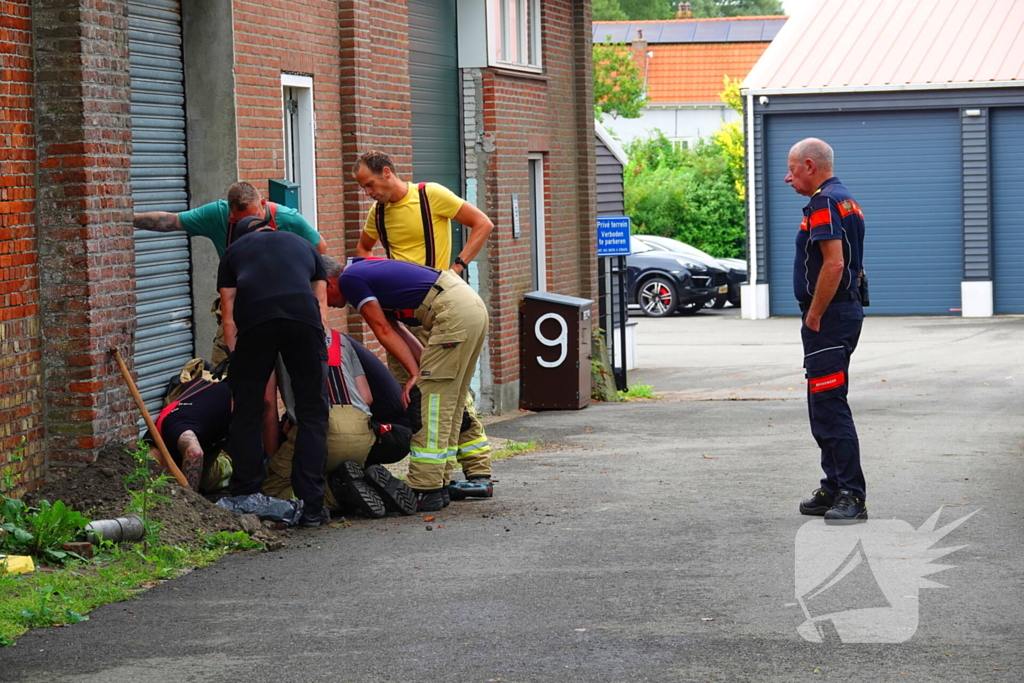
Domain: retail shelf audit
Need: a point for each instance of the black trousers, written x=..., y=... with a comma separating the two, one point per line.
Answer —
x=304, y=352
x=827, y=361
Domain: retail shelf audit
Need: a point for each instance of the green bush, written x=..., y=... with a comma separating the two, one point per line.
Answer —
x=39, y=532
x=686, y=194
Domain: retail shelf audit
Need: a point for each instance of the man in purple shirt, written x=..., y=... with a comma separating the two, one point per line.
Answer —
x=394, y=295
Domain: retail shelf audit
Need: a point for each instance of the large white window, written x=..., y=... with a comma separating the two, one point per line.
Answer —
x=513, y=34
x=299, y=136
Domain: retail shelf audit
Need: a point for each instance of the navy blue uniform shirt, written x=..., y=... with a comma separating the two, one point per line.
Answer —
x=398, y=286
x=832, y=214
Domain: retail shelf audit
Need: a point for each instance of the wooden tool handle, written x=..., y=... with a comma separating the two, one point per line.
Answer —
x=161, y=447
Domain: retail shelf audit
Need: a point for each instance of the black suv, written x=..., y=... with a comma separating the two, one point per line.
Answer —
x=663, y=282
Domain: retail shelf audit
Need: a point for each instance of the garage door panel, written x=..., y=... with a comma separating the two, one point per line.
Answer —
x=904, y=171
x=163, y=341
x=1007, y=129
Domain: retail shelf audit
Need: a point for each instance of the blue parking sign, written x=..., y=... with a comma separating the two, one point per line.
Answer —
x=613, y=236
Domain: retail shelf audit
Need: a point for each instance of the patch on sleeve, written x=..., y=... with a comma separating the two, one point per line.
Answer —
x=803, y=224
x=833, y=381
x=848, y=207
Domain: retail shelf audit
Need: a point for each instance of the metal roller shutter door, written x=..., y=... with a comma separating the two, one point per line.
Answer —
x=163, y=341
x=434, y=92
x=1007, y=135
x=905, y=171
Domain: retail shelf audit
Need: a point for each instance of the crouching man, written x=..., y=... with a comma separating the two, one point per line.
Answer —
x=391, y=295
x=357, y=445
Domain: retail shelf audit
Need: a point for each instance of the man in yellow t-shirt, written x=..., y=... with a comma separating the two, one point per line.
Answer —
x=399, y=221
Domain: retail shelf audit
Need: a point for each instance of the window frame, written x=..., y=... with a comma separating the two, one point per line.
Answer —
x=529, y=41
x=307, y=142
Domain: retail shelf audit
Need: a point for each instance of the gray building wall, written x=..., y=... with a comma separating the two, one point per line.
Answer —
x=610, y=197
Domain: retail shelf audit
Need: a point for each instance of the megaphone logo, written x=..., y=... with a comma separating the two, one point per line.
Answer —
x=860, y=582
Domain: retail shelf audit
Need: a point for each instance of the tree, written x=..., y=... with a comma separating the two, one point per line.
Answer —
x=639, y=10
x=735, y=8
x=618, y=83
x=608, y=10
x=730, y=137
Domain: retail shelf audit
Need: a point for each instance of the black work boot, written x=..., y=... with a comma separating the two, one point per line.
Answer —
x=397, y=495
x=848, y=509
x=429, y=501
x=818, y=504
x=352, y=491
x=308, y=520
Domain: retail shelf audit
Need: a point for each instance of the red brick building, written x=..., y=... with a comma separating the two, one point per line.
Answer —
x=111, y=107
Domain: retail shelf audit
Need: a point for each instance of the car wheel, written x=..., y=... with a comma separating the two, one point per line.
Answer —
x=657, y=298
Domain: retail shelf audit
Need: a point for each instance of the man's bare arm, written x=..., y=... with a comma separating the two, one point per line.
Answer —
x=227, y=313
x=365, y=246
x=480, y=227
x=320, y=292
x=322, y=245
x=396, y=345
x=410, y=339
x=828, y=281
x=157, y=221
x=191, y=458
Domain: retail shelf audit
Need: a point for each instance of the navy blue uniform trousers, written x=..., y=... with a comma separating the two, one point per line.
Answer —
x=827, y=362
x=304, y=352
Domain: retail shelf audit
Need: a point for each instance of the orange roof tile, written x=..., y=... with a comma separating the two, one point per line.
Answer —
x=693, y=72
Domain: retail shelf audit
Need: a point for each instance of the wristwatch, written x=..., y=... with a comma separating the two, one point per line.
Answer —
x=460, y=262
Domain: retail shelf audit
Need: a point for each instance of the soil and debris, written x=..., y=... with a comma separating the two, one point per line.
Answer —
x=98, y=491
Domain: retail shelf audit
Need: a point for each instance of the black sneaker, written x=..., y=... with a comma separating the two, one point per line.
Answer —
x=352, y=491
x=397, y=495
x=310, y=520
x=848, y=509
x=429, y=501
x=818, y=504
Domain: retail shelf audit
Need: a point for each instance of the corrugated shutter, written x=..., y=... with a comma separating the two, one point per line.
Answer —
x=610, y=196
x=904, y=169
x=163, y=341
x=1007, y=219
x=434, y=94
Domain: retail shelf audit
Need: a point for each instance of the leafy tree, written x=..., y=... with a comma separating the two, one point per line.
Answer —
x=735, y=8
x=608, y=10
x=639, y=10
x=618, y=83
x=730, y=137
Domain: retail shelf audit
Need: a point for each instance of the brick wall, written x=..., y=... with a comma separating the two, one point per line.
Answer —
x=21, y=404
x=83, y=222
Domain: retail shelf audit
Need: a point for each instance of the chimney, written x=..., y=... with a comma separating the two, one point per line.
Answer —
x=640, y=53
x=685, y=11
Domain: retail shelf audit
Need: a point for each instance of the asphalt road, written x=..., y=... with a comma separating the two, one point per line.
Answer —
x=649, y=541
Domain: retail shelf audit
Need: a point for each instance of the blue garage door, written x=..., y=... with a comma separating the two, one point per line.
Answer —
x=1007, y=221
x=904, y=170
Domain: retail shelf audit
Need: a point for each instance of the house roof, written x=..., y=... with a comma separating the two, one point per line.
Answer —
x=888, y=44
x=694, y=72
x=720, y=30
x=611, y=143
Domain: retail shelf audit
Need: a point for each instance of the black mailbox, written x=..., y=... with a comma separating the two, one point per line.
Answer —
x=554, y=352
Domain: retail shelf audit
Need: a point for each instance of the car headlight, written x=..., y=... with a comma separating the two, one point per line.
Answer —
x=689, y=265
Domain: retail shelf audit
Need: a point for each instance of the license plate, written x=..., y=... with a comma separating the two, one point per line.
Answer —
x=723, y=289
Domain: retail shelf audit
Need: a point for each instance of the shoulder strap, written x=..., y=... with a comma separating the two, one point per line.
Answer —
x=272, y=214
x=428, y=227
x=382, y=232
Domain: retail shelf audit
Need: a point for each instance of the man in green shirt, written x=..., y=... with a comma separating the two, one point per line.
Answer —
x=214, y=221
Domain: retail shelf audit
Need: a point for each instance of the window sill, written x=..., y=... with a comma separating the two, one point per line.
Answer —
x=513, y=73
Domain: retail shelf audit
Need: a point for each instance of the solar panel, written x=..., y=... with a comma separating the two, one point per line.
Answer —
x=712, y=32
x=678, y=33
x=745, y=31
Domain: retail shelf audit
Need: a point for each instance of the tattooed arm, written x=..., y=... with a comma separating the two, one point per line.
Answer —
x=191, y=458
x=158, y=221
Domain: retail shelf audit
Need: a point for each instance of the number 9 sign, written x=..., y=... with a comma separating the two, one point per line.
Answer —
x=562, y=340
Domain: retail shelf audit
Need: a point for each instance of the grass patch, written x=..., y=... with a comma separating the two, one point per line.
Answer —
x=639, y=391
x=64, y=596
x=514, y=448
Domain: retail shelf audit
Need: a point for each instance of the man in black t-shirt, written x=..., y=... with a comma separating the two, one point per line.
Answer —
x=193, y=427
x=273, y=291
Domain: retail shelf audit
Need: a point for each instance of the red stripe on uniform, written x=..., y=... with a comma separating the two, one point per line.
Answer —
x=821, y=217
x=827, y=382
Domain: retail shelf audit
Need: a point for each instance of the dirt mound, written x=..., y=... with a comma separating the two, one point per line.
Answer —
x=99, y=491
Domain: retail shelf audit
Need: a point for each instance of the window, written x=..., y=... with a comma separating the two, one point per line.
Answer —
x=513, y=28
x=537, y=228
x=299, y=134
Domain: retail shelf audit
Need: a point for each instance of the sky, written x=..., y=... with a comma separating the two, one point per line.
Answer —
x=792, y=7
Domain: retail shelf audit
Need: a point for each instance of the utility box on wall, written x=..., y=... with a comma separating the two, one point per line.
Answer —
x=554, y=352
x=285, y=193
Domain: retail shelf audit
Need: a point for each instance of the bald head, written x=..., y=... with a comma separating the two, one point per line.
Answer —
x=816, y=150
x=810, y=165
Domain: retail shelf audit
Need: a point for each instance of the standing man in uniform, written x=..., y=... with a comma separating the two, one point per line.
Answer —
x=216, y=221
x=391, y=294
x=273, y=292
x=827, y=279
x=414, y=223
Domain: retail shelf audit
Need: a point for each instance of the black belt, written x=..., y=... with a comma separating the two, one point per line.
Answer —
x=839, y=298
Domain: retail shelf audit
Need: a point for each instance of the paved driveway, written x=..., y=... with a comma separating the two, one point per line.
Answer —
x=648, y=541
